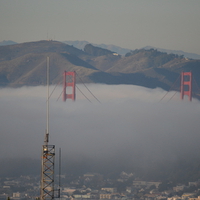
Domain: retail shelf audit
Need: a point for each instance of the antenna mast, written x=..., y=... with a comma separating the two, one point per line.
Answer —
x=48, y=157
x=46, y=139
x=47, y=128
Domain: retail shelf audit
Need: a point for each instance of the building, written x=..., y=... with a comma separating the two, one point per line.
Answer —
x=110, y=190
x=105, y=196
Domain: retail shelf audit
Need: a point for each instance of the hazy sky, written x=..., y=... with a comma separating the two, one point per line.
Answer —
x=169, y=24
x=131, y=123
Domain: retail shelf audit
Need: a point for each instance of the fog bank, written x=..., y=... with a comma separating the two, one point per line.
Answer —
x=131, y=126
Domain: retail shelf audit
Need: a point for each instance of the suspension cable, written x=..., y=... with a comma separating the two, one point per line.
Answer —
x=196, y=85
x=83, y=94
x=172, y=96
x=79, y=90
x=169, y=89
x=87, y=88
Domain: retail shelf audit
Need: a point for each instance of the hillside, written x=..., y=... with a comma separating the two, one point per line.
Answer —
x=25, y=64
x=149, y=68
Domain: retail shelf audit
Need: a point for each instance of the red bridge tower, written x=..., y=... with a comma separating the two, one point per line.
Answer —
x=71, y=82
x=186, y=85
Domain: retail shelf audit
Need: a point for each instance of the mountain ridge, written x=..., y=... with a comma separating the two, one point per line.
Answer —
x=25, y=64
x=178, y=52
x=123, y=51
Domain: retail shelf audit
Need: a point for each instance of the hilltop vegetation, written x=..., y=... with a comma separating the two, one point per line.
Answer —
x=155, y=58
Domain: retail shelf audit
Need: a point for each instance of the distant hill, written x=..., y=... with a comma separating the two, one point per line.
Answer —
x=122, y=51
x=111, y=47
x=7, y=42
x=96, y=51
x=25, y=64
x=78, y=44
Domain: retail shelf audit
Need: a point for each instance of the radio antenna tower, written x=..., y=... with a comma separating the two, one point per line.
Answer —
x=48, y=157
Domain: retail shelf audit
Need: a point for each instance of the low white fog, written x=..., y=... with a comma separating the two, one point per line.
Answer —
x=130, y=124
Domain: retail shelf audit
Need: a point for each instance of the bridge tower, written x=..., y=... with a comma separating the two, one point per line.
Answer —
x=69, y=79
x=186, y=85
